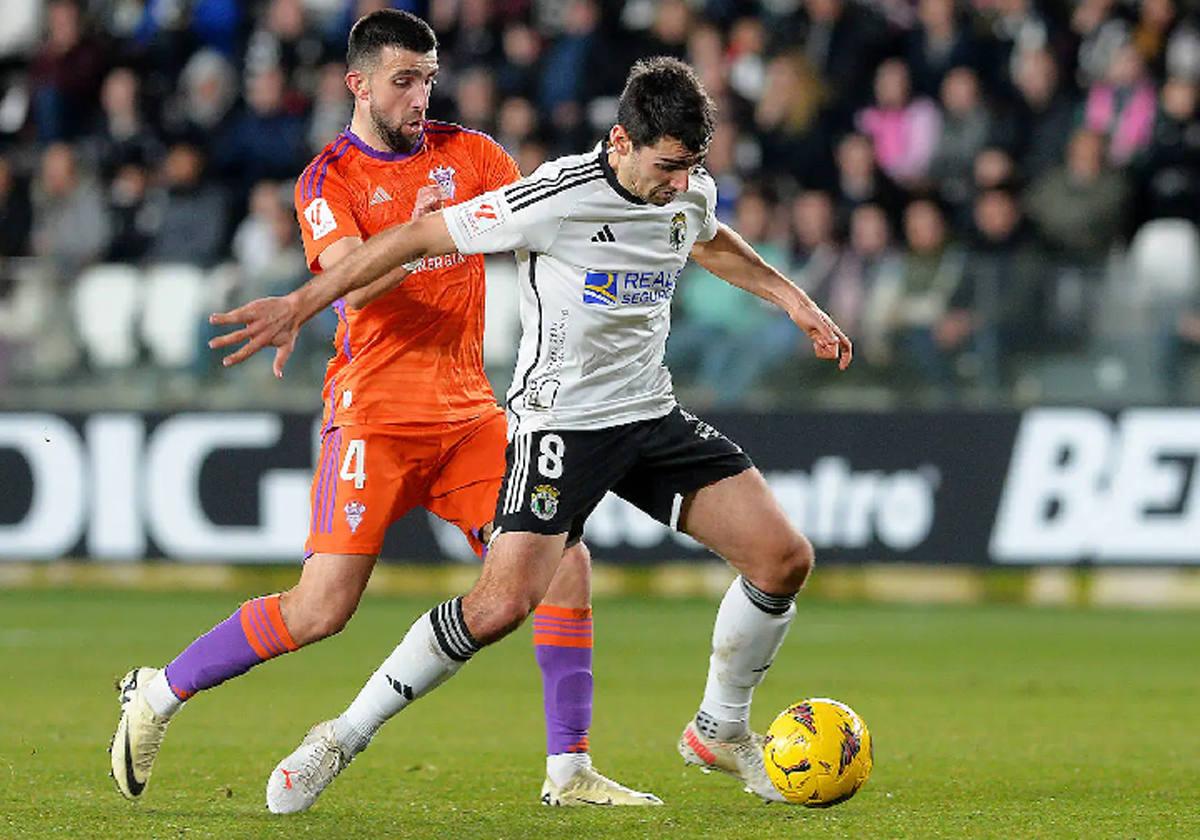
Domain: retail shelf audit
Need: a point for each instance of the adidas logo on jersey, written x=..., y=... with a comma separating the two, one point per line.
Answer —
x=605, y=234
x=379, y=196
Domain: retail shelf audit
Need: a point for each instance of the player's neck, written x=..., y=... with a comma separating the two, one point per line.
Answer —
x=362, y=128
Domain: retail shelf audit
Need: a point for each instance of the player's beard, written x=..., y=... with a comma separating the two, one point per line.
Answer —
x=394, y=137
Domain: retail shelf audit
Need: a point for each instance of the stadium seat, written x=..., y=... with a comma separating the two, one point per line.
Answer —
x=176, y=301
x=105, y=303
x=1164, y=261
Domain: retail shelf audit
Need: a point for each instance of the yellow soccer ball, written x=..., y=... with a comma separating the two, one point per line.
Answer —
x=818, y=752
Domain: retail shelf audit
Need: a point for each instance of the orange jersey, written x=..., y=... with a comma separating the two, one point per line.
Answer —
x=414, y=355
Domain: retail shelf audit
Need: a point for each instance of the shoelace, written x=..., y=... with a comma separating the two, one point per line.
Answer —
x=316, y=762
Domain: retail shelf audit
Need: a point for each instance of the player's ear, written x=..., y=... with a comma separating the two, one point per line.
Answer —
x=356, y=81
x=618, y=140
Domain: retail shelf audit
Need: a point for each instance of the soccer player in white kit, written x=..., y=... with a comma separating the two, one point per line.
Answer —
x=601, y=239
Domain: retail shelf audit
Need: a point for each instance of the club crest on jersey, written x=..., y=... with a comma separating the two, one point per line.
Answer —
x=678, y=231
x=544, y=502
x=354, y=514
x=600, y=288
x=443, y=176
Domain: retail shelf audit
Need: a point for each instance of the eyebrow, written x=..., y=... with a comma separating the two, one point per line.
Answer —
x=683, y=163
x=414, y=72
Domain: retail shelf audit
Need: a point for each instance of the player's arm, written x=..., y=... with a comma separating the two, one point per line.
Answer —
x=731, y=258
x=429, y=200
x=276, y=320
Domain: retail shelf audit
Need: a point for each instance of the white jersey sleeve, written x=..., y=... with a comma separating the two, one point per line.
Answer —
x=525, y=215
x=703, y=182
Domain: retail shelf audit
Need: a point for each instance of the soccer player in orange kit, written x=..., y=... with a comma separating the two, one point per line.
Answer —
x=409, y=421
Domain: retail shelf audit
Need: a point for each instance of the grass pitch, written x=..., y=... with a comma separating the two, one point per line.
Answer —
x=1001, y=721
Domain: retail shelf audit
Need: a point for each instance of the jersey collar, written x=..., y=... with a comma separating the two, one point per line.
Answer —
x=611, y=177
x=359, y=144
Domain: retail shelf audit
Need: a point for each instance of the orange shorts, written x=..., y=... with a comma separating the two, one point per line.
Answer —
x=370, y=476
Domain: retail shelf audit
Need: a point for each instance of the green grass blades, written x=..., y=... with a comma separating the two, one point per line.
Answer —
x=1003, y=722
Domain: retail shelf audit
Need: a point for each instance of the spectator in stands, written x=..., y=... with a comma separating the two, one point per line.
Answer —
x=1156, y=20
x=904, y=130
x=1044, y=115
x=516, y=122
x=1168, y=171
x=748, y=63
x=475, y=98
x=937, y=44
x=268, y=254
x=1122, y=107
x=841, y=40
x=70, y=225
x=207, y=91
x=16, y=215
x=1078, y=207
x=133, y=219
x=283, y=39
x=123, y=134
x=1100, y=34
x=994, y=308
x=814, y=239
x=195, y=211
x=264, y=140
x=66, y=74
x=790, y=120
x=849, y=292
x=730, y=338
x=1017, y=26
x=567, y=64
x=518, y=73
x=331, y=107
x=965, y=130
x=917, y=299
x=860, y=181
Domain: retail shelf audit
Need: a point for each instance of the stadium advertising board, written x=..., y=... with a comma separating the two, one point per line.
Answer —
x=1049, y=485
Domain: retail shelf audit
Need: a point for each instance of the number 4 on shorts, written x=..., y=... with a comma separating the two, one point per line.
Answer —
x=354, y=464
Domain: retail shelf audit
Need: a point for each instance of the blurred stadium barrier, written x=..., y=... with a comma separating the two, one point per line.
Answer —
x=1046, y=486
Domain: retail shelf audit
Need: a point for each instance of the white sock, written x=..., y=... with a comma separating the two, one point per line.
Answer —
x=160, y=697
x=562, y=766
x=749, y=629
x=432, y=651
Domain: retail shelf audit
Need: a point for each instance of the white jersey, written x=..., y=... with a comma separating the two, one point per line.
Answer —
x=597, y=268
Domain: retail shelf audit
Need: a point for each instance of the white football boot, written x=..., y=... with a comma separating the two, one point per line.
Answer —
x=587, y=787
x=139, y=734
x=742, y=759
x=299, y=779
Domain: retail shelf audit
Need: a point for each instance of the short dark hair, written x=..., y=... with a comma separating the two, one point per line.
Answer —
x=387, y=28
x=664, y=97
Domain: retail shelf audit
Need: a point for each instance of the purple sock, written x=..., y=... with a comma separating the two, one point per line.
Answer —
x=253, y=634
x=562, y=640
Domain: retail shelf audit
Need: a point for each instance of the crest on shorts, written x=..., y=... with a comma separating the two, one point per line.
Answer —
x=443, y=176
x=544, y=502
x=354, y=514
x=678, y=231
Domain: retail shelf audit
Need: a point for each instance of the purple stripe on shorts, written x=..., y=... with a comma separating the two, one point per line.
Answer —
x=332, y=408
x=333, y=467
x=322, y=471
x=339, y=306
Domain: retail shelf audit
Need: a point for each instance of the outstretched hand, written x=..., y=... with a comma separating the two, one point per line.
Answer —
x=829, y=342
x=266, y=322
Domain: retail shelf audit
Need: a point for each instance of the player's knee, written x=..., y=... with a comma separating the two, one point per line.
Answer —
x=790, y=566
x=310, y=621
x=502, y=616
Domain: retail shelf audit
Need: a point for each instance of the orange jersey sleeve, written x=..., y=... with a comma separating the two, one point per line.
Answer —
x=325, y=204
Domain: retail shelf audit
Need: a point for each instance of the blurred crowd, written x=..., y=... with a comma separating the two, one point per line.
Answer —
x=975, y=190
